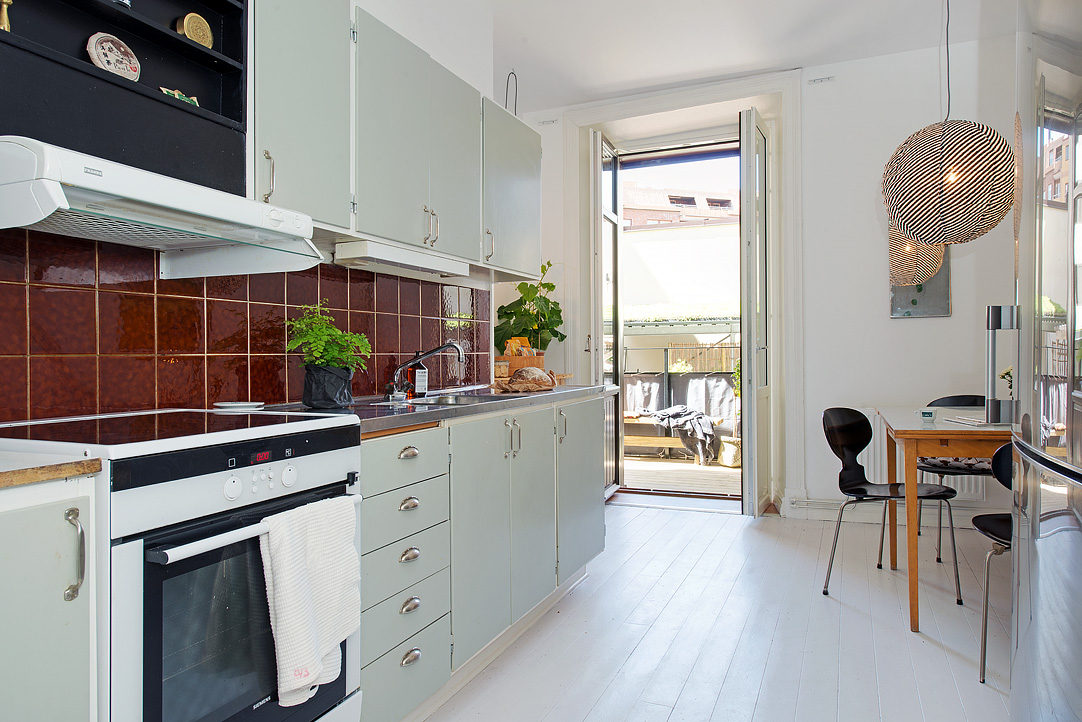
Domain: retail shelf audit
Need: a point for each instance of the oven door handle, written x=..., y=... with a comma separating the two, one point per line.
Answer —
x=166, y=555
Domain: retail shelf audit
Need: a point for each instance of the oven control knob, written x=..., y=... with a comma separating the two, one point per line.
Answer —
x=289, y=476
x=232, y=488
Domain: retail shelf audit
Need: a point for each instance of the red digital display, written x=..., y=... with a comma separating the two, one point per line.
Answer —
x=260, y=457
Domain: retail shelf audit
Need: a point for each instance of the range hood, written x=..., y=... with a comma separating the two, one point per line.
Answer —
x=198, y=231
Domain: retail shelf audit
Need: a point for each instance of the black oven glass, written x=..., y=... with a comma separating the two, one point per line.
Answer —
x=208, y=646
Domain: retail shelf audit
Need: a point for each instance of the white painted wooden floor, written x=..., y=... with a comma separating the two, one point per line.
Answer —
x=705, y=616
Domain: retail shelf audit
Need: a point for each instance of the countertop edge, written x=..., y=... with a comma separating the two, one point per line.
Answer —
x=47, y=472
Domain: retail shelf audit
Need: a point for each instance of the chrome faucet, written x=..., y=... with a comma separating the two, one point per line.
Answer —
x=396, y=383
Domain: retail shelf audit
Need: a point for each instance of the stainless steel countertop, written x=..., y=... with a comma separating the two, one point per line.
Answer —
x=382, y=417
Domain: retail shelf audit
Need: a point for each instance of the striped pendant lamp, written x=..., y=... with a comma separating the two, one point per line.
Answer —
x=912, y=263
x=949, y=182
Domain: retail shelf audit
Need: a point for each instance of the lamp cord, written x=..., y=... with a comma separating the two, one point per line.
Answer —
x=506, y=86
x=947, y=42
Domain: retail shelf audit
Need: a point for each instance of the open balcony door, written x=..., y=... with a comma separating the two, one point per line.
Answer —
x=755, y=372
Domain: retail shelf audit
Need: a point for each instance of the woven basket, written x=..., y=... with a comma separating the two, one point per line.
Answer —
x=517, y=362
x=729, y=454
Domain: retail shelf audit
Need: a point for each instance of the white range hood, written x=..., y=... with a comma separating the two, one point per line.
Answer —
x=199, y=231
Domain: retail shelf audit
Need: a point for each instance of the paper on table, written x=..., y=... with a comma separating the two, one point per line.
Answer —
x=968, y=420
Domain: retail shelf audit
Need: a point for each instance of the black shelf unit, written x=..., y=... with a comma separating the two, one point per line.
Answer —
x=52, y=92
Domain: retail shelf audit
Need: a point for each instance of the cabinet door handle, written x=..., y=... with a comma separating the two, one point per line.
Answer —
x=72, y=516
x=510, y=440
x=493, y=239
x=437, y=236
x=269, y=193
x=564, y=417
x=410, y=452
x=409, y=503
x=410, y=555
x=589, y=343
x=518, y=448
x=410, y=605
x=428, y=217
x=414, y=655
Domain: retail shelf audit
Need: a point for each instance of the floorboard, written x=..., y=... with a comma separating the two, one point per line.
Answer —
x=696, y=616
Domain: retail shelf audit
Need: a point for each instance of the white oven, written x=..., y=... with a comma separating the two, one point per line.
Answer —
x=188, y=636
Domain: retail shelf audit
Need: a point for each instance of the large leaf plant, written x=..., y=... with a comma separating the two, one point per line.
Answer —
x=534, y=315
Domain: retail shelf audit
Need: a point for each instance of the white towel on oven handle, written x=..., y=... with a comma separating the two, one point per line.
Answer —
x=313, y=591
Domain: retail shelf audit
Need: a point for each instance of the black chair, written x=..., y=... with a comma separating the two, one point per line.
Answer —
x=848, y=431
x=998, y=528
x=951, y=466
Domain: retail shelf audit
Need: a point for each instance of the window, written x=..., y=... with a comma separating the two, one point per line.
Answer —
x=1055, y=192
x=1059, y=153
x=682, y=200
x=723, y=203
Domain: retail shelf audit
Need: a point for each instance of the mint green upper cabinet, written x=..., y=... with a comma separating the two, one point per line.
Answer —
x=302, y=107
x=512, y=193
x=393, y=141
x=455, y=164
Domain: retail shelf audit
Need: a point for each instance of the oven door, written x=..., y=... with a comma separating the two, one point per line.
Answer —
x=191, y=637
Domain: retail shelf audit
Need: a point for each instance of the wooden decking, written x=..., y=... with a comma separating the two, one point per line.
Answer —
x=680, y=476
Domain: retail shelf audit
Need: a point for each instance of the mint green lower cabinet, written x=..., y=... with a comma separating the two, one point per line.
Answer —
x=480, y=534
x=580, y=485
x=45, y=635
x=407, y=675
x=533, y=511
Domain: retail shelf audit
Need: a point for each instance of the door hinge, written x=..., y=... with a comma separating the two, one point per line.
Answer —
x=353, y=32
x=353, y=204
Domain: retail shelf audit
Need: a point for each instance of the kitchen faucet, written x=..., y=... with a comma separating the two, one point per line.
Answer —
x=396, y=384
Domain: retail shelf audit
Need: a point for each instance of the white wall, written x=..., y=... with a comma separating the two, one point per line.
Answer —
x=854, y=353
x=457, y=35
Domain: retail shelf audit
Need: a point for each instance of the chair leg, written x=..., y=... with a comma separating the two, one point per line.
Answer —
x=882, y=532
x=954, y=553
x=920, y=513
x=939, y=536
x=995, y=551
x=834, y=546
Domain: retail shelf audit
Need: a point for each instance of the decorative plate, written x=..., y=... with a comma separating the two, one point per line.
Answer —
x=239, y=405
x=108, y=52
x=195, y=27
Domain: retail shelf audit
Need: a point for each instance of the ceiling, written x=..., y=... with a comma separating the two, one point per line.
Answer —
x=568, y=52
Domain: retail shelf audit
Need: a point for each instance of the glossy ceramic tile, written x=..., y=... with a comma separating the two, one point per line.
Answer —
x=227, y=327
x=232, y=288
x=268, y=378
x=431, y=333
x=362, y=290
x=465, y=303
x=125, y=268
x=62, y=321
x=482, y=369
x=193, y=287
x=13, y=389
x=481, y=305
x=364, y=323
x=125, y=323
x=61, y=261
x=409, y=335
x=125, y=383
x=267, y=287
x=430, y=299
x=364, y=381
x=302, y=287
x=294, y=377
x=267, y=328
x=449, y=301
x=386, y=293
x=13, y=254
x=227, y=379
x=334, y=285
x=382, y=367
x=63, y=386
x=182, y=382
x=181, y=325
x=13, y=319
x=387, y=339
x=409, y=297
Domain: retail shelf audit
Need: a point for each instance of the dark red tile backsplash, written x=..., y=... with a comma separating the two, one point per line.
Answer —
x=88, y=327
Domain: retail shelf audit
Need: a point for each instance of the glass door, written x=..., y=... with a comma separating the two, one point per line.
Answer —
x=606, y=339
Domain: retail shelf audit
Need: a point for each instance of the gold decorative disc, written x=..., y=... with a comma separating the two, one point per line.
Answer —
x=196, y=28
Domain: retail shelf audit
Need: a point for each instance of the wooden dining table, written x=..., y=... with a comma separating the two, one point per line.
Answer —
x=910, y=437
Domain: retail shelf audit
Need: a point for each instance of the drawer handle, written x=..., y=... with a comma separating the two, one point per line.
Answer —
x=72, y=517
x=410, y=452
x=411, y=605
x=414, y=655
x=409, y=503
x=410, y=555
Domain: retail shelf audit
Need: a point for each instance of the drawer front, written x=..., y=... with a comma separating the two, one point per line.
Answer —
x=403, y=615
x=388, y=570
x=392, y=462
x=391, y=690
x=396, y=514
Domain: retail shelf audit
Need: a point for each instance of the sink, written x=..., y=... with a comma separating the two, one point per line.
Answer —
x=448, y=400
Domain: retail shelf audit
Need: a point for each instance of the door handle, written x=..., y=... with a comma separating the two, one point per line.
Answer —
x=515, y=450
x=72, y=516
x=493, y=251
x=564, y=416
x=410, y=605
x=589, y=343
x=414, y=655
x=510, y=440
x=437, y=236
x=428, y=217
x=410, y=555
x=409, y=503
x=270, y=192
x=410, y=452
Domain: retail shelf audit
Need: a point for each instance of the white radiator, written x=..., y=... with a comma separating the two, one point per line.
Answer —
x=874, y=460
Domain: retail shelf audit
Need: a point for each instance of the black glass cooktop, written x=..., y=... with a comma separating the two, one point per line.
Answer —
x=147, y=426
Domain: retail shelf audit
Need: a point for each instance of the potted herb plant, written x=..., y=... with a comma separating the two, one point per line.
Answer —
x=331, y=355
x=533, y=315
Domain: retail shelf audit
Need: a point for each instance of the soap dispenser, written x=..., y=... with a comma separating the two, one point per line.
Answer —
x=417, y=379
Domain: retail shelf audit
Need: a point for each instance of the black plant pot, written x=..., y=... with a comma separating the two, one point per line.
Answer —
x=327, y=387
